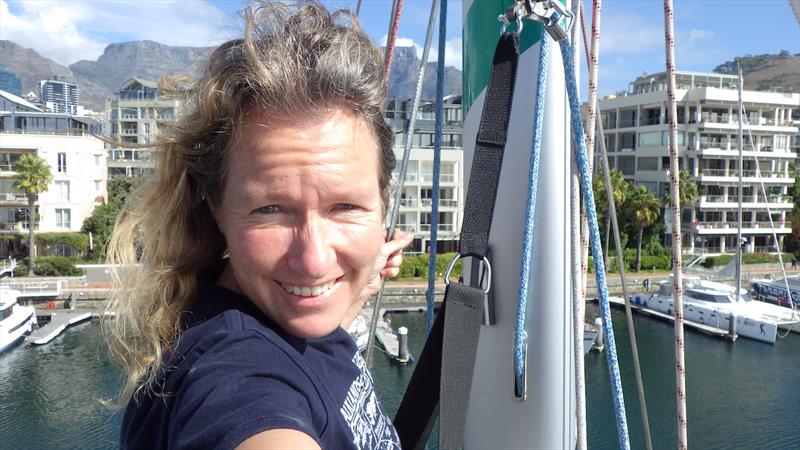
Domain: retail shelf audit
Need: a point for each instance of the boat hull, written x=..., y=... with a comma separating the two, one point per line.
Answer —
x=719, y=318
x=16, y=326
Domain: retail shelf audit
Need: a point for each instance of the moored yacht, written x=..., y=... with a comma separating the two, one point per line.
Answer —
x=774, y=291
x=15, y=320
x=715, y=305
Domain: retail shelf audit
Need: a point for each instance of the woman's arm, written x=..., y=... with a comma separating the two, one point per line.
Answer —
x=279, y=439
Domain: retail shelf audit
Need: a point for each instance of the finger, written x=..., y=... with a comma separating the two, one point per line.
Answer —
x=390, y=272
x=394, y=260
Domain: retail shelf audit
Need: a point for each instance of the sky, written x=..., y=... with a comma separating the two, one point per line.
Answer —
x=707, y=32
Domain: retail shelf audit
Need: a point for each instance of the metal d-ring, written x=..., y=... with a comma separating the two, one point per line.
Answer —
x=506, y=22
x=487, y=268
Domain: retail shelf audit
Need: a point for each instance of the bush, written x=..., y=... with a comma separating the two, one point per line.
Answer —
x=50, y=266
x=78, y=241
x=416, y=266
x=747, y=258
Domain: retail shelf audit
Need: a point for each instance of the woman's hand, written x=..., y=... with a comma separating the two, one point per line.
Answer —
x=387, y=265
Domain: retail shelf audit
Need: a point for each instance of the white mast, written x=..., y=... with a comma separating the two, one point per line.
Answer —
x=546, y=418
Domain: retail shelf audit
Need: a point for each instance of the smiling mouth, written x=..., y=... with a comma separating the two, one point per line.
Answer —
x=308, y=291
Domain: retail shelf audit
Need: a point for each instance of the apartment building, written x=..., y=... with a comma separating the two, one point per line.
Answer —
x=10, y=82
x=637, y=133
x=417, y=191
x=77, y=162
x=133, y=117
x=59, y=96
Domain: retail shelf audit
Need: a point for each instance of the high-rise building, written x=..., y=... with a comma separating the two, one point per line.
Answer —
x=417, y=192
x=59, y=96
x=637, y=136
x=133, y=118
x=77, y=162
x=9, y=82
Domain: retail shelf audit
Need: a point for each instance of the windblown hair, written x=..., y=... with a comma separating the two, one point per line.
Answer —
x=295, y=62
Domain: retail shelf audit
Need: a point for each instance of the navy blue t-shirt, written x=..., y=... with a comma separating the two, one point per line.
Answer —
x=233, y=373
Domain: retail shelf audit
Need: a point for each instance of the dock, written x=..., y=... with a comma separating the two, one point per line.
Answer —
x=385, y=334
x=619, y=301
x=59, y=321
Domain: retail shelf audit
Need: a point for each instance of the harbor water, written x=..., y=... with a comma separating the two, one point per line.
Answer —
x=740, y=395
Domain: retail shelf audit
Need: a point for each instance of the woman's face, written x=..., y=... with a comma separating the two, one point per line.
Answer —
x=302, y=216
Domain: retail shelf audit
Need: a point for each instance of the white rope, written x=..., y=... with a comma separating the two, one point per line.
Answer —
x=677, y=279
x=578, y=291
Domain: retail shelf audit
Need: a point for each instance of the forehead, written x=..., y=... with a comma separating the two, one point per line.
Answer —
x=336, y=141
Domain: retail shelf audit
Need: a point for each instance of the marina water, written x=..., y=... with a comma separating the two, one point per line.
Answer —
x=740, y=395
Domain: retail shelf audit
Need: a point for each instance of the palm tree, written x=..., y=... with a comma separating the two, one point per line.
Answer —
x=688, y=195
x=646, y=208
x=620, y=189
x=33, y=176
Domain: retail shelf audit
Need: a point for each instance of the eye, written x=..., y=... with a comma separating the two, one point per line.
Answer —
x=269, y=209
x=346, y=206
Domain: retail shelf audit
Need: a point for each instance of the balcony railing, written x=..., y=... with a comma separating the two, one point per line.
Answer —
x=447, y=227
x=745, y=199
x=13, y=198
x=443, y=177
x=745, y=173
x=129, y=131
x=733, y=225
x=406, y=227
x=410, y=202
x=650, y=121
x=448, y=203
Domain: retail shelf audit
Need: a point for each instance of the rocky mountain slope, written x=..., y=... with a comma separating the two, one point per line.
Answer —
x=767, y=72
x=99, y=80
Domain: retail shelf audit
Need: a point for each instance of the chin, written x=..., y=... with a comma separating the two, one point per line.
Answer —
x=310, y=328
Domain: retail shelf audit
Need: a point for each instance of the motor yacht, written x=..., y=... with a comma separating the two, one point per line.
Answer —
x=15, y=320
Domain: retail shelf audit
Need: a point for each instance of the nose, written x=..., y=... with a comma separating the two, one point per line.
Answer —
x=311, y=255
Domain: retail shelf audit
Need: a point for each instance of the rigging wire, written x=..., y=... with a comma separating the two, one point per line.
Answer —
x=402, y=174
x=437, y=163
x=612, y=212
x=792, y=305
x=677, y=279
x=358, y=7
x=597, y=250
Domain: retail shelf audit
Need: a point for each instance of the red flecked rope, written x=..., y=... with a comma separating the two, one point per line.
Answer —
x=677, y=278
x=392, y=38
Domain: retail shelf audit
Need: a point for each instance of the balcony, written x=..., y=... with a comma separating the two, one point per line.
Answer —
x=13, y=198
x=443, y=177
x=408, y=202
x=761, y=227
x=128, y=116
x=129, y=131
x=406, y=227
x=447, y=203
x=748, y=201
x=443, y=227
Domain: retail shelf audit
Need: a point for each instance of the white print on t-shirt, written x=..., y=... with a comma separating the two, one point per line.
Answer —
x=371, y=428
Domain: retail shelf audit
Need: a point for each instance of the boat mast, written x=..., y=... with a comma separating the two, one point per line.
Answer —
x=741, y=186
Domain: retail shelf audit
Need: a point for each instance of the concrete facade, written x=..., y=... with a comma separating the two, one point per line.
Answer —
x=636, y=134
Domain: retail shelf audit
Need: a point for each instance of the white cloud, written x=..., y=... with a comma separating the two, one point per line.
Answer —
x=70, y=31
x=630, y=34
x=452, y=49
x=697, y=36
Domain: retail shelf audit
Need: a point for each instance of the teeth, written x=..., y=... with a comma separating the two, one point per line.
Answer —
x=308, y=291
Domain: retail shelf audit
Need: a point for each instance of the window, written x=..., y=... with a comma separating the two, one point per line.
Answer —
x=97, y=185
x=649, y=163
x=649, y=139
x=97, y=160
x=62, y=190
x=62, y=218
x=62, y=163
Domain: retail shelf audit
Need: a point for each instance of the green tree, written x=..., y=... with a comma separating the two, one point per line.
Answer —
x=687, y=190
x=119, y=187
x=646, y=208
x=32, y=177
x=100, y=224
x=620, y=189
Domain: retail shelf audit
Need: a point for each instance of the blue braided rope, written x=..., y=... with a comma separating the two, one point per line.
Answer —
x=520, y=335
x=437, y=163
x=594, y=239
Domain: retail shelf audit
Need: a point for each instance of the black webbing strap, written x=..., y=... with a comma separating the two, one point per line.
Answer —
x=442, y=378
x=489, y=147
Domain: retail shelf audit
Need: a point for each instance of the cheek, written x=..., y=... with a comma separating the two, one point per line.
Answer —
x=363, y=246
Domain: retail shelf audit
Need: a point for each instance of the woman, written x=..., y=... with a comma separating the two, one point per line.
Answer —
x=258, y=240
